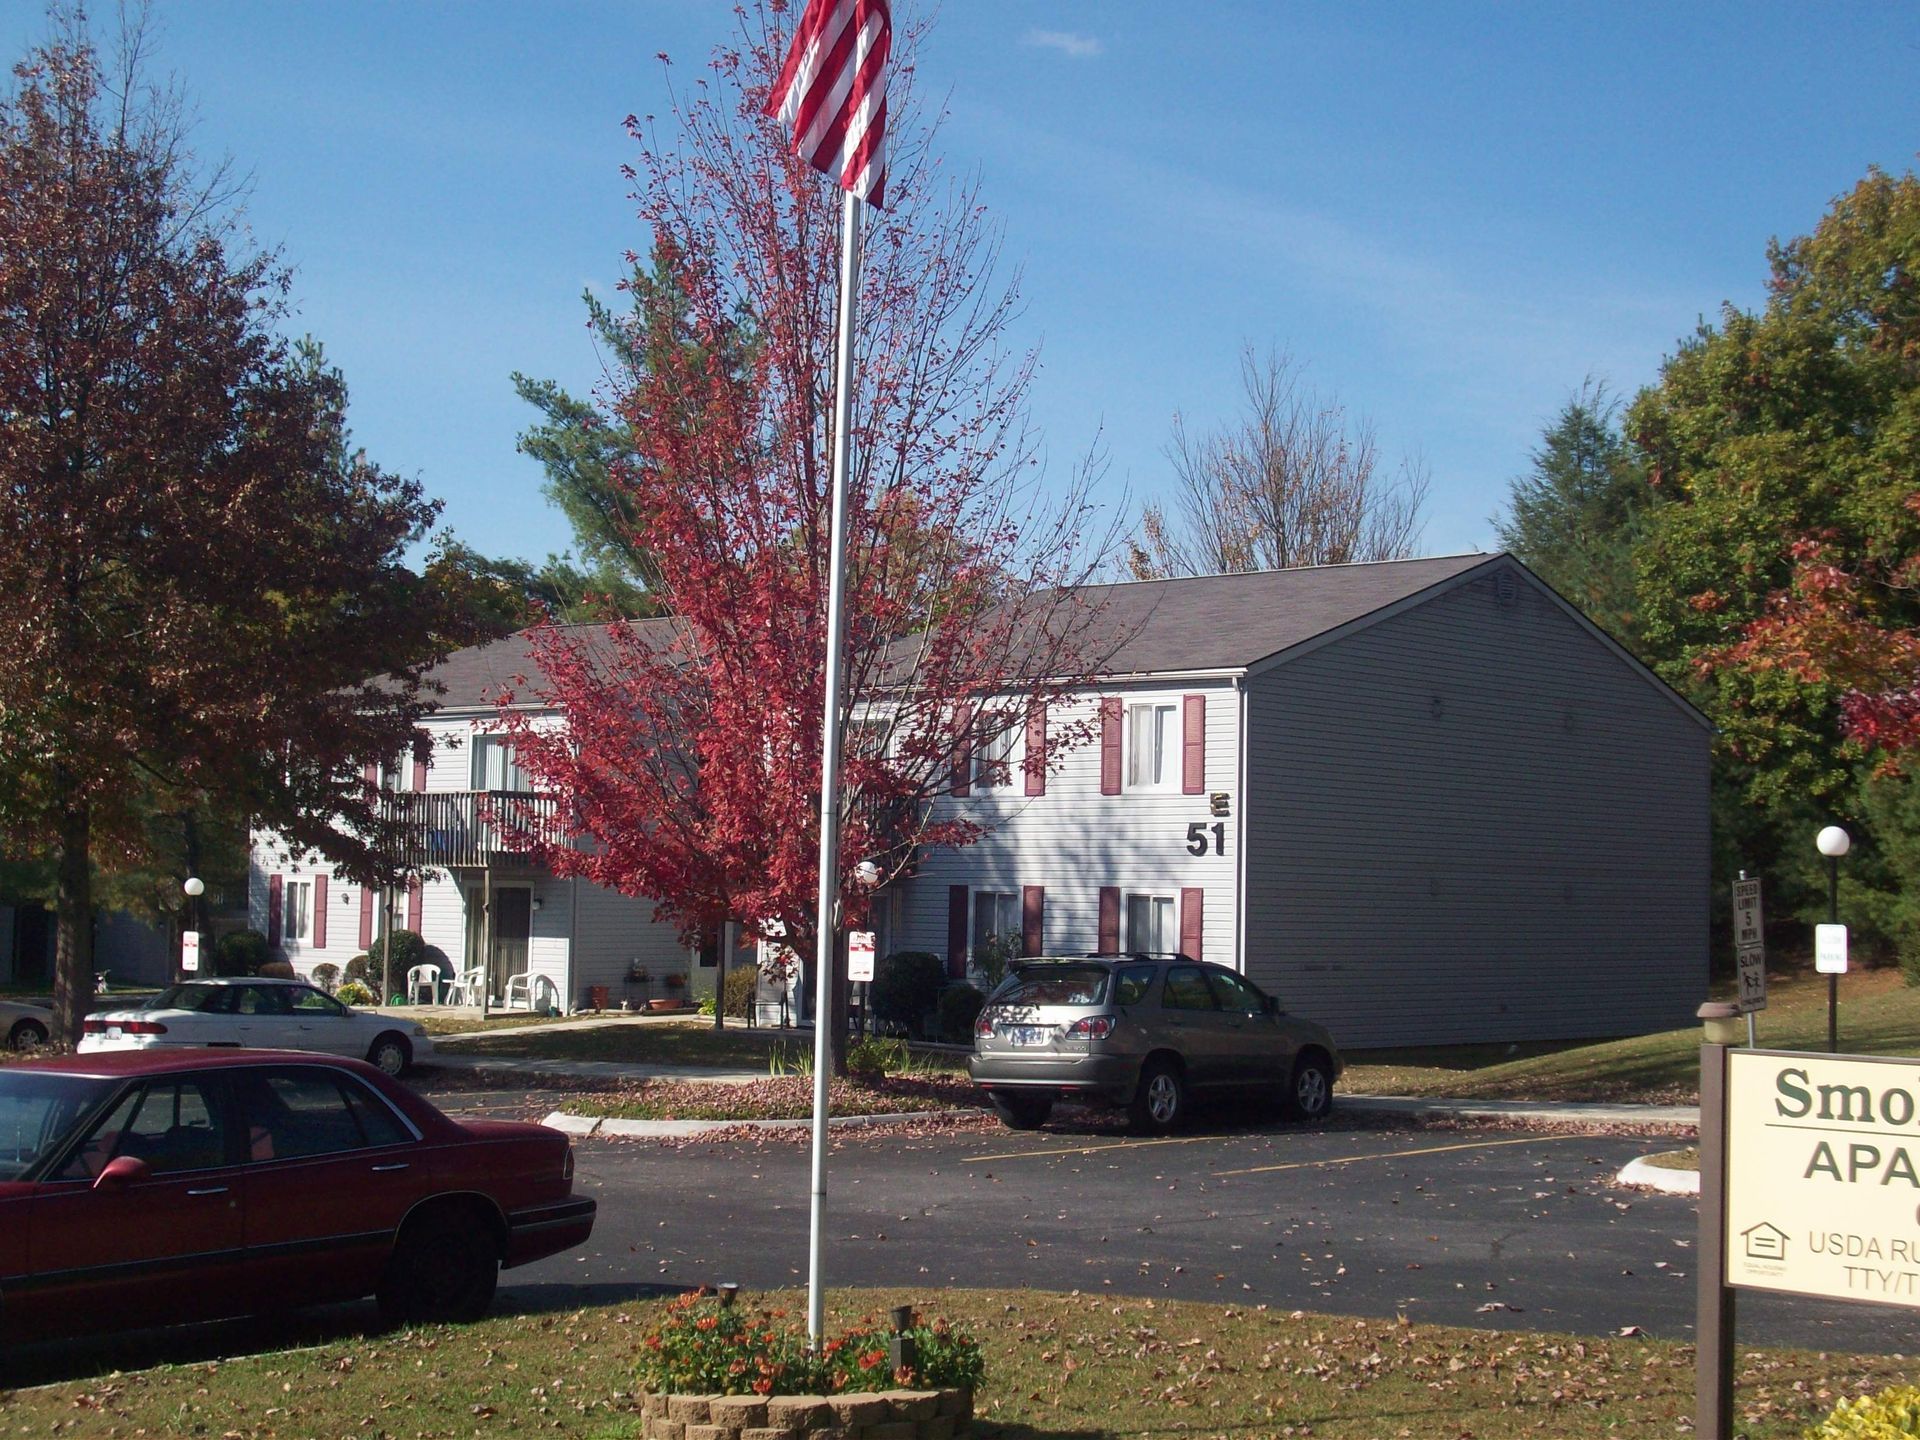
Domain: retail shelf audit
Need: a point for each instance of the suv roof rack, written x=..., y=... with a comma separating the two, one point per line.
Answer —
x=1180, y=955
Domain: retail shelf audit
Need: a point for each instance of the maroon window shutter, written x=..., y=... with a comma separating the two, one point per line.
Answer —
x=419, y=777
x=274, y=884
x=1109, y=917
x=1110, y=745
x=371, y=775
x=1033, y=919
x=956, y=930
x=1037, y=754
x=366, y=917
x=1193, y=770
x=1193, y=909
x=319, y=931
x=963, y=751
x=413, y=904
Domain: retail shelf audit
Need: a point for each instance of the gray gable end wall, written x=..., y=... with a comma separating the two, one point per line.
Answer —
x=1475, y=820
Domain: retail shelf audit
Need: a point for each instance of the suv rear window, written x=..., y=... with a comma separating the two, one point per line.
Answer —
x=1053, y=985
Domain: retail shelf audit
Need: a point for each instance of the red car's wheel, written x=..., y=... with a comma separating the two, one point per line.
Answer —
x=444, y=1267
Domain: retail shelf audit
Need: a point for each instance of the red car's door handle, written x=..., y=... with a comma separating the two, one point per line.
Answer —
x=209, y=1190
x=384, y=1169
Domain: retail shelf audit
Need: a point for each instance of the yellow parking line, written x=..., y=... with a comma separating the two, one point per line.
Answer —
x=1090, y=1149
x=1397, y=1154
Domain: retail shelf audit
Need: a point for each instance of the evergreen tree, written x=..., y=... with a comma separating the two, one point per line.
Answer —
x=1576, y=515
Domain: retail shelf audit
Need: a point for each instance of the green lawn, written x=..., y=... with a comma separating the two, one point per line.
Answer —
x=678, y=1042
x=1879, y=1015
x=1063, y=1366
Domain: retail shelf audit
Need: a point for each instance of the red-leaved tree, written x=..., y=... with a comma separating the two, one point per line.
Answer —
x=690, y=747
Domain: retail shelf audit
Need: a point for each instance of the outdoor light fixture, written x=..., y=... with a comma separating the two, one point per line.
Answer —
x=195, y=887
x=867, y=873
x=538, y=902
x=1833, y=842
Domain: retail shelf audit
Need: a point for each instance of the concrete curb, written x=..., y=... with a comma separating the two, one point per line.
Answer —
x=1557, y=1111
x=1657, y=1177
x=584, y=1125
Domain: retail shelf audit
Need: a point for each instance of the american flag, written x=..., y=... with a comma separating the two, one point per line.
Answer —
x=832, y=93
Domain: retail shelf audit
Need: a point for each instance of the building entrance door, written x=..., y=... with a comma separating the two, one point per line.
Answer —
x=512, y=932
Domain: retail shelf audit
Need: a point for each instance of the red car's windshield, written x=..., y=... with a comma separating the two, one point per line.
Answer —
x=37, y=1111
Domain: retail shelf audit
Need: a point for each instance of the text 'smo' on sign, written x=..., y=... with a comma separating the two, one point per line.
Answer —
x=1823, y=1175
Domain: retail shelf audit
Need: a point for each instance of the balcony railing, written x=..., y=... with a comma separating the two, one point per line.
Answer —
x=470, y=827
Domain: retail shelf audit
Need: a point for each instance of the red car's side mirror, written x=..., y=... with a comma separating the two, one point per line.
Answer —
x=122, y=1171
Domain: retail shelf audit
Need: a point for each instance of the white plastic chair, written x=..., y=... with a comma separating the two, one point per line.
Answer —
x=427, y=978
x=519, y=996
x=465, y=988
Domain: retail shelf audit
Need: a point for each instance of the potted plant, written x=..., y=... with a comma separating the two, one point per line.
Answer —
x=637, y=973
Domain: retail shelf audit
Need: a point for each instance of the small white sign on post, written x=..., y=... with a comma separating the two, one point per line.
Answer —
x=860, y=955
x=190, y=951
x=1830, y=949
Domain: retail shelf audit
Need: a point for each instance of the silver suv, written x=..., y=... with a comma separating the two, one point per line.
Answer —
x=1144, y=1031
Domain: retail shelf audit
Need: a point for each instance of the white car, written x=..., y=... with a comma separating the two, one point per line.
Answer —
x=25, y=1027
x=259, y=1014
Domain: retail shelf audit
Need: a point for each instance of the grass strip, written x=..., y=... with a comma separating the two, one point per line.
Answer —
x=784, y=1097
x=1057, y=1365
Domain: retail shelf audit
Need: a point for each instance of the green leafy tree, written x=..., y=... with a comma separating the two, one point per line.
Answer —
x=1777, y=581
x=1575, y=517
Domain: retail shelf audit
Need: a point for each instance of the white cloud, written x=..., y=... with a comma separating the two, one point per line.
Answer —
x=1075, y=47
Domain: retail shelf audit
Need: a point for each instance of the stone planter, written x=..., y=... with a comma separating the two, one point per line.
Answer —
x=877, y=1415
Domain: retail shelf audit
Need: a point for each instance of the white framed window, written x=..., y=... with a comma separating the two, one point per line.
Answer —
x=996, y=916
x=296, y=912
x=1153, y=740
x=496, y=767
x=1151, y=924
x=996, y=758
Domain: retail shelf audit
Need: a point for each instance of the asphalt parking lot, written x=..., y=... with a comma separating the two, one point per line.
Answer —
x=1491, y=1228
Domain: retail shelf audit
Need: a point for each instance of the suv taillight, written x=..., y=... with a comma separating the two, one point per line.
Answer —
x=1094, y=1027
x=983, y=1027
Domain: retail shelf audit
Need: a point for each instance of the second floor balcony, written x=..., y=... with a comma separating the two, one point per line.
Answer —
x=470, y=828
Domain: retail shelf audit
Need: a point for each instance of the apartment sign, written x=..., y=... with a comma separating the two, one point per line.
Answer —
x=1823, y=1175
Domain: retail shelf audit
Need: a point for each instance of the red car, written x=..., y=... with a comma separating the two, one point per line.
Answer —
x=144, y=1188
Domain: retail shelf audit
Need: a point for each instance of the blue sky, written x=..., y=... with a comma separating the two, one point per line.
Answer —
x=1450, y=214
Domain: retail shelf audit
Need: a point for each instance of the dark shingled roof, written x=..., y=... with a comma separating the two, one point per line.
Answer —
x=1225, y=622
x=1206, y=622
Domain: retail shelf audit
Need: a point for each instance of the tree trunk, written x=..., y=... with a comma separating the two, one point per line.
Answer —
x=720, y=977
x=839, y=1006
x=73, y=923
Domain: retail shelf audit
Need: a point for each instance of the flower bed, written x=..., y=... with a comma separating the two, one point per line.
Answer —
x=782, y=1097
x=713, y=1370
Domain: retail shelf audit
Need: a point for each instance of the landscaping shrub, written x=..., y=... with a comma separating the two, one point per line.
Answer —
x=877, y=1057
x=326, y=975
x=358, y=970
x=960, y=1006
x=1893, y=1412
x=353, y=992
x=709, y=1005
x=906, y=985
x=277, y=970
x=705, y=1348
x=409, y=950
x=741, y=986
x=240, y=952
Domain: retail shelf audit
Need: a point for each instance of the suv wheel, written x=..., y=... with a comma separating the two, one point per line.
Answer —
x=27, y=1035
x=1021, y=1112
x=1160, y=1104
x=1310, y=1094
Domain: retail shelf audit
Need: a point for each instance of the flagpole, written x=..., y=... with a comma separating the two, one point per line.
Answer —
x=828, y=922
